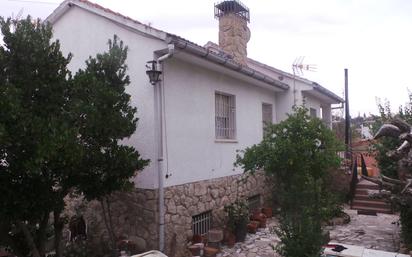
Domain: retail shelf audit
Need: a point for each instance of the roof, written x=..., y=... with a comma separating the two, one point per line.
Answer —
x=184, y=44
x=316, y=86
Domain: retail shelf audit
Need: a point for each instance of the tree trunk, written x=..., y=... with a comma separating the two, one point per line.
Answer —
x=107, y=223
x=29, y=239
x=58, y=229
x=42, y=237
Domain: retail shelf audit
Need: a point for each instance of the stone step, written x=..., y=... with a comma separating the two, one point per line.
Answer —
x=367, y=186
x=367, y=203
x=361, y=192
x=366, y=198
x=373, y=209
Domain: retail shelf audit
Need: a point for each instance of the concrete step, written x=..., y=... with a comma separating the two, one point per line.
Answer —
x=372, y=209
x=377, y=204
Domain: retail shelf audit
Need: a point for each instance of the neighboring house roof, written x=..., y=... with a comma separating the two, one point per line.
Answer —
x=188, y=46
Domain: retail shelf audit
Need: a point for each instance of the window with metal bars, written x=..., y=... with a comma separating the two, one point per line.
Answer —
x=225, y=116
x=267, y=115
x=254, y=203
x=201, y=223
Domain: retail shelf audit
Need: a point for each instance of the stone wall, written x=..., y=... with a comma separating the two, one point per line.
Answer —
x=185, y=201
x=233, y=36
x=135, y=214
x=134, y=218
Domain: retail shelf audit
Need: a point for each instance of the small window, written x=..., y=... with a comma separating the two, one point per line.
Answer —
x=254, y=203
x=201, y=223
x=267, y=115
x=313, y=112
x=225, y=116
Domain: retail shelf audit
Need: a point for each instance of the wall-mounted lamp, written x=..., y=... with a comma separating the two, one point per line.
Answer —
x=153, y=72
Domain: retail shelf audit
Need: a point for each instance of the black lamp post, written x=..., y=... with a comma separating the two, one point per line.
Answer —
x=152, y=72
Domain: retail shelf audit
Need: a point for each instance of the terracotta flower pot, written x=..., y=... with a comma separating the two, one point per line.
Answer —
x=261, y=218
x=197, y=239
x=210, y=251
x=252, y=227
x=267, y=211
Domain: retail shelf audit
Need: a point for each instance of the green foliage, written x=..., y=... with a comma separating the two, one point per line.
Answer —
x=298, y=153
x=238, y=214
x=386, y=165
x=406, y=222
x=58, y=134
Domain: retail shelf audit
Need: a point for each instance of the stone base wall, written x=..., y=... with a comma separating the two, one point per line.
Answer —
x=185, y=201
x=134, y=218
x=135, y=215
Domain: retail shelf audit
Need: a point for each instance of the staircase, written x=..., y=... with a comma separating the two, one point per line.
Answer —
x=366, y=205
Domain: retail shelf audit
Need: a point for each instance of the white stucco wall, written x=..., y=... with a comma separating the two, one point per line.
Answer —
x=312, y=102
x=85, y=34
x=285, y=100
x=192, y=151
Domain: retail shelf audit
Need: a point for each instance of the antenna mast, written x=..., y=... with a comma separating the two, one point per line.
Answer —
x=298, y=67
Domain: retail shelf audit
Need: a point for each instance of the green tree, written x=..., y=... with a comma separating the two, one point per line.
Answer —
x=58, y=134
x=297, y=153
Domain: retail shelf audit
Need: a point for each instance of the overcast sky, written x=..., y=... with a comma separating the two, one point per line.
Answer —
x=372, y=38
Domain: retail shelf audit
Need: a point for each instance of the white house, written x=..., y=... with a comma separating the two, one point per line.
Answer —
x=210, y=102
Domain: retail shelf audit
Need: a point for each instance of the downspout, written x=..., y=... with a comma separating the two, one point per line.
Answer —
x=159, y=130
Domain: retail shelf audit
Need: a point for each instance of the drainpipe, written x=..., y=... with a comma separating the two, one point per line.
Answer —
x=159, y=135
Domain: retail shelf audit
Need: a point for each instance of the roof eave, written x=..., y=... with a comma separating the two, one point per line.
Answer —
x=328, y=93
x=118, y=19
x=215, y=58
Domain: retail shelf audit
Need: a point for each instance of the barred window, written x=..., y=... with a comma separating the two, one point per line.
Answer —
x=254, y=203
x=225, y=116
x=267, y=115
x=201, y=223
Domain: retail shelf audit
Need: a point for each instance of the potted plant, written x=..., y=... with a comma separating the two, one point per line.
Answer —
x=238, y=217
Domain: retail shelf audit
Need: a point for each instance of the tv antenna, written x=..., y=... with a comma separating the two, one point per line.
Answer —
x=298, y=67
x=18, y=15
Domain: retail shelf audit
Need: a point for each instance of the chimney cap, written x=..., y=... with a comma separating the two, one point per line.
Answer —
x=232, y=6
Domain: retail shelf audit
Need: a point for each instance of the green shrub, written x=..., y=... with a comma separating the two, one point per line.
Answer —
x=297, y=153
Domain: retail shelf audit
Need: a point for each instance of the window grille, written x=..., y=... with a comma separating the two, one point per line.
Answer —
x=313, y=112
x=254, y=203
x=201, y=223
x=267, y=115
x=225, y=116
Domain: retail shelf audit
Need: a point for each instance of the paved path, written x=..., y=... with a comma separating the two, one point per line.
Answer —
x=373, y=232
x=379, y=232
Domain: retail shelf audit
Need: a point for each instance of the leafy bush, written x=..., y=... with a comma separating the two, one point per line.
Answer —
x=298, y=153
x=238, y=214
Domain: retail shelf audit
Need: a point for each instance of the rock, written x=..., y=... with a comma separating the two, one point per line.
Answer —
x=200, y=189
x=214, y=193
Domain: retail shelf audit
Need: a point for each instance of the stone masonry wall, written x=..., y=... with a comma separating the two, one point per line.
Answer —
x=184, y=201
x=134, y=218
x=135, y=214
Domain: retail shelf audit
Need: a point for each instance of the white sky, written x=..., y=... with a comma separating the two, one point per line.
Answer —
x=372, y=38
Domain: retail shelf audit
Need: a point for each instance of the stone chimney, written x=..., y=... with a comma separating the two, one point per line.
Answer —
x=234, y=34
